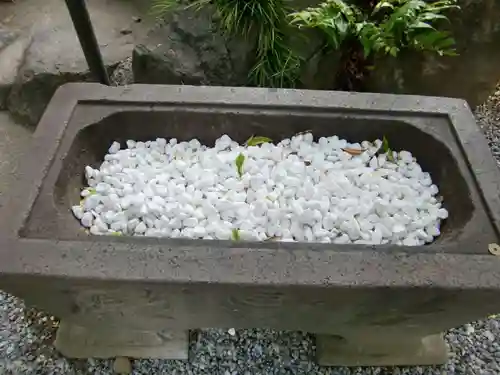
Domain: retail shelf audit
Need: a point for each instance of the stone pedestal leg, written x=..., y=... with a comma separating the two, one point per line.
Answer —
x=380, y=350
x=77, y=341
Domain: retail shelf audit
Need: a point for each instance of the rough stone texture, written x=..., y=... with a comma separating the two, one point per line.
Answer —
x=13, y=141
x=76, y=341
x=472, y=75
x=188, y=49
x=55, y=57
x=45, y=68
x=381, y=350
x=12, y=49
x=7, y=37
x=179, y=284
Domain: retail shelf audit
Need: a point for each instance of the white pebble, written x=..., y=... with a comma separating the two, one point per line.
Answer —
x=406, y=157
x=114, y=148
x=442, y=213
x=94, y=230
x=77, y=211
x=87, y=219
x=140, y=228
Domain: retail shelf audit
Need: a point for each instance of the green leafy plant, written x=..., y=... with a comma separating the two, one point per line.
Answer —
x=407, y=24
x=387, y=28
x=264, y=23
x=335, y=18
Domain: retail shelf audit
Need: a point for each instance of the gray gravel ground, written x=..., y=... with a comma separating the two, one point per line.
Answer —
x=26, y=337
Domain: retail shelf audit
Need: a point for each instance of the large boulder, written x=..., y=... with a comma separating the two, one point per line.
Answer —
x=472, y=75
x=187, y=48
x=54, y=55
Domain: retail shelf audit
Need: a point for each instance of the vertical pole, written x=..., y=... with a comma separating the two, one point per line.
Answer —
x=83, y=27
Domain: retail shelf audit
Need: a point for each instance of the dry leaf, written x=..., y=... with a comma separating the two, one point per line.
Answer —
x=494, y=249
x=353, y=151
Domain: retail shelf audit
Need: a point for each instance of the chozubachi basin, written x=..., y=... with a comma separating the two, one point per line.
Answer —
x=139, y=296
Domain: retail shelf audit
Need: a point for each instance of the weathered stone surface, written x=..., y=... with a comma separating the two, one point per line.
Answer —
x=7, y=37
x=13, y=141
x=472, y=75
x=46, y=66
x=188, y=49
x=55, y=57
x=12, y=49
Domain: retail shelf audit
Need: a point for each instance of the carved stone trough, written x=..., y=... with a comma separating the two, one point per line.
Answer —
x=138, y=297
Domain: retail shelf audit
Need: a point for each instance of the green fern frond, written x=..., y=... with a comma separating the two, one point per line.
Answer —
x=392, y=26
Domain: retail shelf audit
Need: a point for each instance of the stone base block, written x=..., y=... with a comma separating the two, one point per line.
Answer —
x=381, y=351
x=76, y=341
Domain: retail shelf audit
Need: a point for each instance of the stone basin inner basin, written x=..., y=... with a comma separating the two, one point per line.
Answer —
x=431, y=140
x=139, y=296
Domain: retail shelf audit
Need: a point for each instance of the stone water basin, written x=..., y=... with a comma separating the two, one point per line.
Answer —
x=139, y=296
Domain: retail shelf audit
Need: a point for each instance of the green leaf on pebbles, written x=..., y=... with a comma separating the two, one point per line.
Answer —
x=255, y=141
x=240, y=159
x=387, y=150
x=385, y=145
x=235, y=234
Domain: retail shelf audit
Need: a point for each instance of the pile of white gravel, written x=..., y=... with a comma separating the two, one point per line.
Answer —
x=328, y=191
